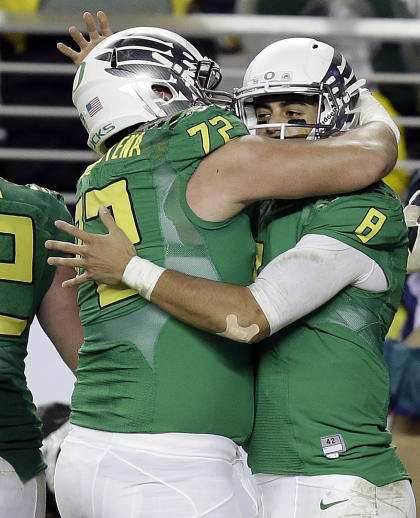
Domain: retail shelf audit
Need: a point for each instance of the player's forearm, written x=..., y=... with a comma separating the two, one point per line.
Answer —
x=63, y=329
x=371, y=149
x=370, y=152
x=348, y=162
x=59, y=318
x=215, y=307
x=298, y=169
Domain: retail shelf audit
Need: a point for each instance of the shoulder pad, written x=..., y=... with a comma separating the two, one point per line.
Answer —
x=35, y=187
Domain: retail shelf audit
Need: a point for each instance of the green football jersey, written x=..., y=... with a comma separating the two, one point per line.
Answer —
x=27, y=215
x=322, y=383
x=139, y=369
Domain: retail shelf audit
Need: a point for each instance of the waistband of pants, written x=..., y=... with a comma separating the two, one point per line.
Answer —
x=185, y=444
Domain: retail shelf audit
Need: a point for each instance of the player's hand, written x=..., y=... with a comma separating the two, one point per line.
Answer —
x=85, y=45
x=103, y=257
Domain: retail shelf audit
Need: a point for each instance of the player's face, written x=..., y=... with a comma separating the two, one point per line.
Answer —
x=286, y=108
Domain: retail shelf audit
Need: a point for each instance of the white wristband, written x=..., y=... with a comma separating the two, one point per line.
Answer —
x=371, y=110
x=142, y=275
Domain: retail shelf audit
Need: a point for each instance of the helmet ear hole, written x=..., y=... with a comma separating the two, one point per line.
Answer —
x=162, y=91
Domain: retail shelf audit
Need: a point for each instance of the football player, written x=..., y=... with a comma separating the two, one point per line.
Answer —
x=29, y=287
x=332, y=277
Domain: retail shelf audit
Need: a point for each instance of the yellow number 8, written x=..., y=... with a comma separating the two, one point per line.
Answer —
x=371, y=225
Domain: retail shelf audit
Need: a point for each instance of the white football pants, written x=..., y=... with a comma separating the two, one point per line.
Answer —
x=115, y=475
x=19, y=500
x=333, y=496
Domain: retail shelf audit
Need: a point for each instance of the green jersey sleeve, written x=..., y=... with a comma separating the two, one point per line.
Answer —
x=57, y=210
x=371, y=221
x=50, y=207
x=195, y=134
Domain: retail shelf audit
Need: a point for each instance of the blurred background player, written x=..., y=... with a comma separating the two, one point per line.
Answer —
x=338, y=264
x=29, y=287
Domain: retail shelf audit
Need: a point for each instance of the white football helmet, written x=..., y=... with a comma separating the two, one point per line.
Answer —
x=112, y=89
x=304, y=66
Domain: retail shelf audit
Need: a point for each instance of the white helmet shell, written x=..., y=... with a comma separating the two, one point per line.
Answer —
x=304, y=66
x=113, y=87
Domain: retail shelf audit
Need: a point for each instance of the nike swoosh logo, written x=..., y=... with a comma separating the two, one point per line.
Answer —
x=327, y=506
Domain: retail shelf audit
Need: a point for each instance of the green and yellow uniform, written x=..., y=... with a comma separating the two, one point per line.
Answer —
x=27, y=215
x=322, y=383
x=141, y=371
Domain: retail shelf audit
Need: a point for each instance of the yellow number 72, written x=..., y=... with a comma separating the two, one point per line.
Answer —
x=204, y=132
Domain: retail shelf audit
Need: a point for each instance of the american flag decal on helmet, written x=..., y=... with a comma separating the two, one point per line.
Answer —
x=93, y=106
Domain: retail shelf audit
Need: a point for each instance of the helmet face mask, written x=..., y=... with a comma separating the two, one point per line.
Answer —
x=115, y=87
x=302, y=66
x=208, y=74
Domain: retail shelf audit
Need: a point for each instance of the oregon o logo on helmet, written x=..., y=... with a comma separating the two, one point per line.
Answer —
x=269, y=75
x=80, y=73
x=101, y=133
